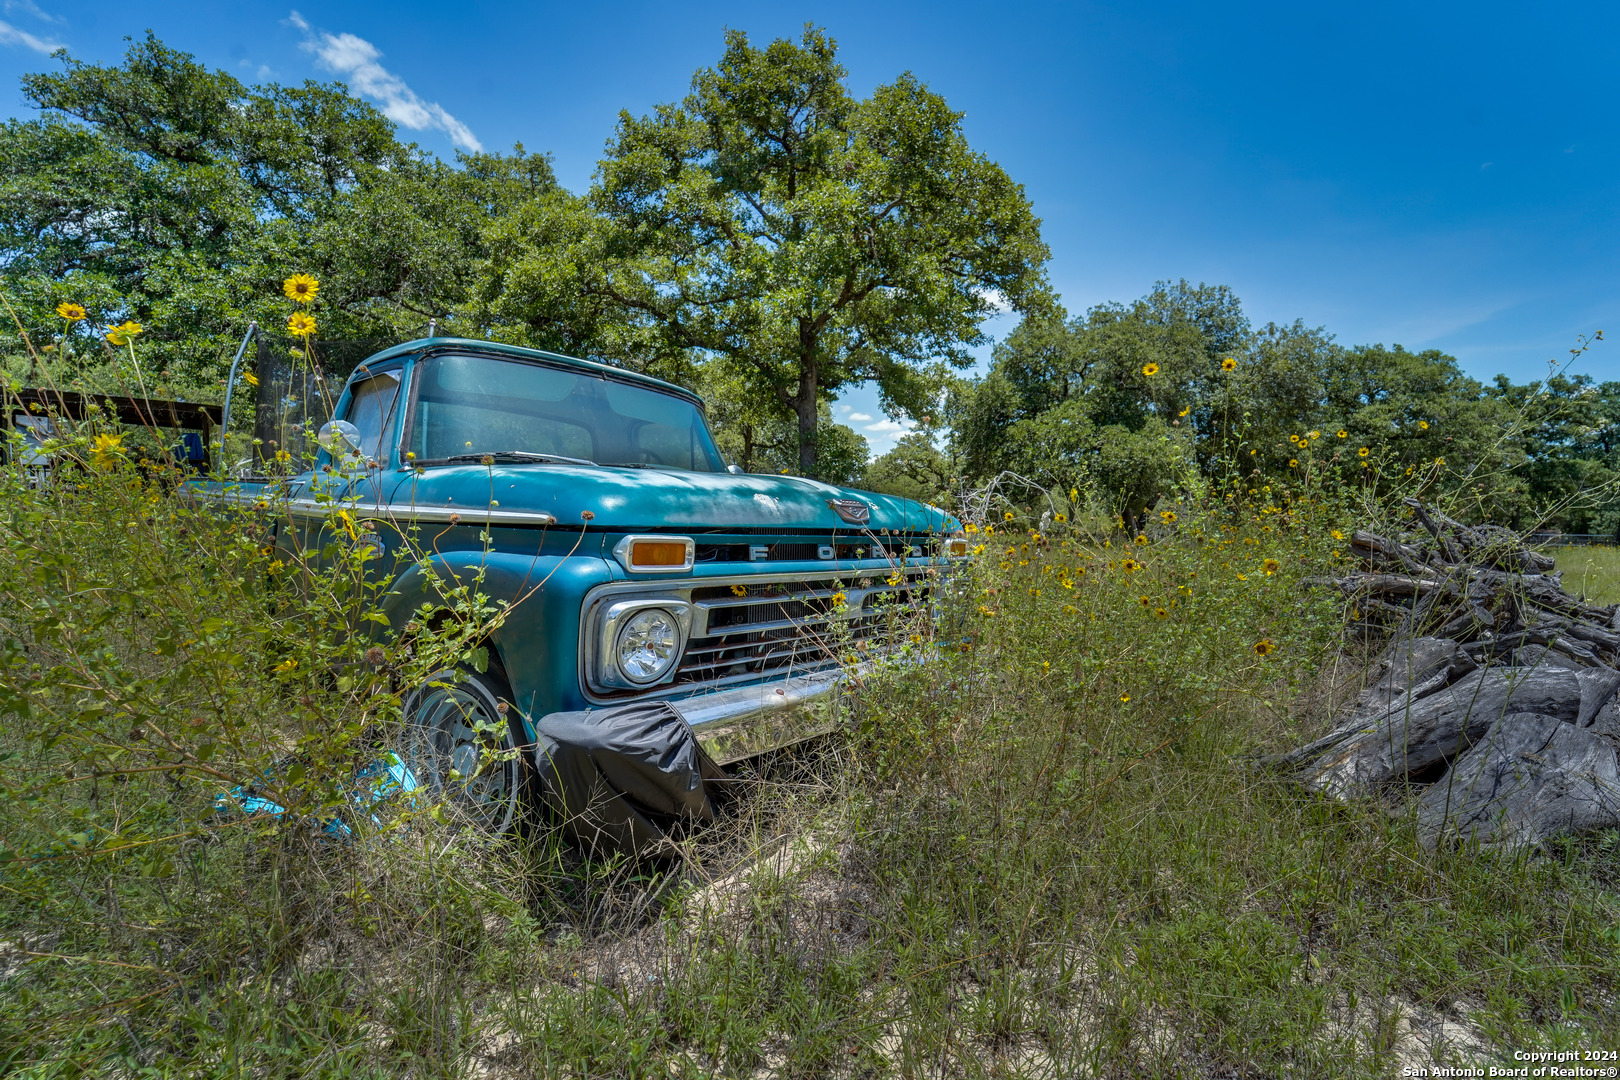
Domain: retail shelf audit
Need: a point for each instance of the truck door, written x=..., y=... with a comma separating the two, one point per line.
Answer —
x=332, y=509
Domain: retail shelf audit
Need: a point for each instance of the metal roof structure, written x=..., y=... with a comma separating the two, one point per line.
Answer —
x=136, y=412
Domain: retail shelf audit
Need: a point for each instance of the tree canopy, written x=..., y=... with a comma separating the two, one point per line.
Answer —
x=166, y=193
x=799, y=237
x=1132, y=398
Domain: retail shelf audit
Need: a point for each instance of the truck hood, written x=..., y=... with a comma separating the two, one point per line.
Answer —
x=662, y=499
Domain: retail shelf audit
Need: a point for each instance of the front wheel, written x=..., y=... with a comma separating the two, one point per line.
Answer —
x=461, y=737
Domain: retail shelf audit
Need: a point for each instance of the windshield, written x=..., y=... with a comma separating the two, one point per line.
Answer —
x=468, y=404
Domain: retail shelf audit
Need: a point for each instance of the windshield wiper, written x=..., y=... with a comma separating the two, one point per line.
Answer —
x=517, y=457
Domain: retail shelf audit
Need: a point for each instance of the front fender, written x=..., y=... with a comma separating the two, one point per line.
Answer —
x=538, y=637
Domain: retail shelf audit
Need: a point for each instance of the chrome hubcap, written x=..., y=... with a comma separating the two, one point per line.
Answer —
x=452, y=738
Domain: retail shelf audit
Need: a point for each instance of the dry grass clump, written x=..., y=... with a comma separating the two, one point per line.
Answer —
x=1592, y=571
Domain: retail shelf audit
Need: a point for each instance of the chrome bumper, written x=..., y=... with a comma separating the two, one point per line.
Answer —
x=732, y=725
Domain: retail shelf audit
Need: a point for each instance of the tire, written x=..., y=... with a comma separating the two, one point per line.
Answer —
x=454, y=726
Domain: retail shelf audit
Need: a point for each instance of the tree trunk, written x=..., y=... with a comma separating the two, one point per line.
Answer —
x=804, y=405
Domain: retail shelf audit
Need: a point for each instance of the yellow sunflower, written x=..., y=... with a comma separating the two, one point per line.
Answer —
x=1423, y=425
x=300, y=288
x=1150, y=369
x=300, y=324
x=1265, y=647
x=1363, y=452
x=1270, y=566
x=123, y=333
x=106, y=451
x=1342, y=433
x=1229, y=364
x=71, y=312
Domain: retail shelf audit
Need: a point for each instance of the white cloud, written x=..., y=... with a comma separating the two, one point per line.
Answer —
x=858, y=416
x=10, y=35
x=28, y=7
x=355, y=60
x=999, y=304
x=887, y=426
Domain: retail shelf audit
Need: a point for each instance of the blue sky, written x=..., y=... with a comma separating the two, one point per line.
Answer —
x=1437, y=175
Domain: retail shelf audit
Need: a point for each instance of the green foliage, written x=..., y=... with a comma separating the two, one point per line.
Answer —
x=1126, y=398
x=759, y=439
x=152, y=638
x=914, y=469
x=1568, y=447
x=163, y=192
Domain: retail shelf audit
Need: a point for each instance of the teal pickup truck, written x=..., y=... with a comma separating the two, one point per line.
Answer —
x=669, y=614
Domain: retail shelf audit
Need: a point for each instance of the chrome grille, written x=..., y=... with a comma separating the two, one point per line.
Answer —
x=747, y=629
x=844, y=548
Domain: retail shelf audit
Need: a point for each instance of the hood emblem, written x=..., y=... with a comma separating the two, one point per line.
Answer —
x=852, y=510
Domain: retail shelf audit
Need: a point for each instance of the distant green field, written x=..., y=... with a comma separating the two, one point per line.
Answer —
x=1591, y=571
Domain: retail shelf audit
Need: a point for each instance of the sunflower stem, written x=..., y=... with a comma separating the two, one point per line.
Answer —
x=140, y=380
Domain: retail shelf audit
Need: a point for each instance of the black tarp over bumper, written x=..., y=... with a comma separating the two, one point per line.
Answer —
x=617, y=779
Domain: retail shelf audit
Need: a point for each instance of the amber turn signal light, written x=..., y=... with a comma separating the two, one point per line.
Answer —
x=657, y=553
x=654, y=554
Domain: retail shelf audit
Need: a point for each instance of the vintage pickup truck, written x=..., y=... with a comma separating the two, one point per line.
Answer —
x=656, y=593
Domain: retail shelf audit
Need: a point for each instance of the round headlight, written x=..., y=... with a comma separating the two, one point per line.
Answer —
x=648, y=646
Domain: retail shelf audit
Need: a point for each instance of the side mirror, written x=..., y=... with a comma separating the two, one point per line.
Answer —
x=339, y=438
x=734, y=470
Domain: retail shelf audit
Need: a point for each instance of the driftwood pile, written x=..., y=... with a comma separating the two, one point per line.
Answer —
x=1494, y=703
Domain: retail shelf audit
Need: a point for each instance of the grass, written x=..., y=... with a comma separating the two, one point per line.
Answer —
x=1045, y=853
x=1591, y=571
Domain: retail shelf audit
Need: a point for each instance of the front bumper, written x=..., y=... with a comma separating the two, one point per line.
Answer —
x=745, y=721
x=739, y=723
